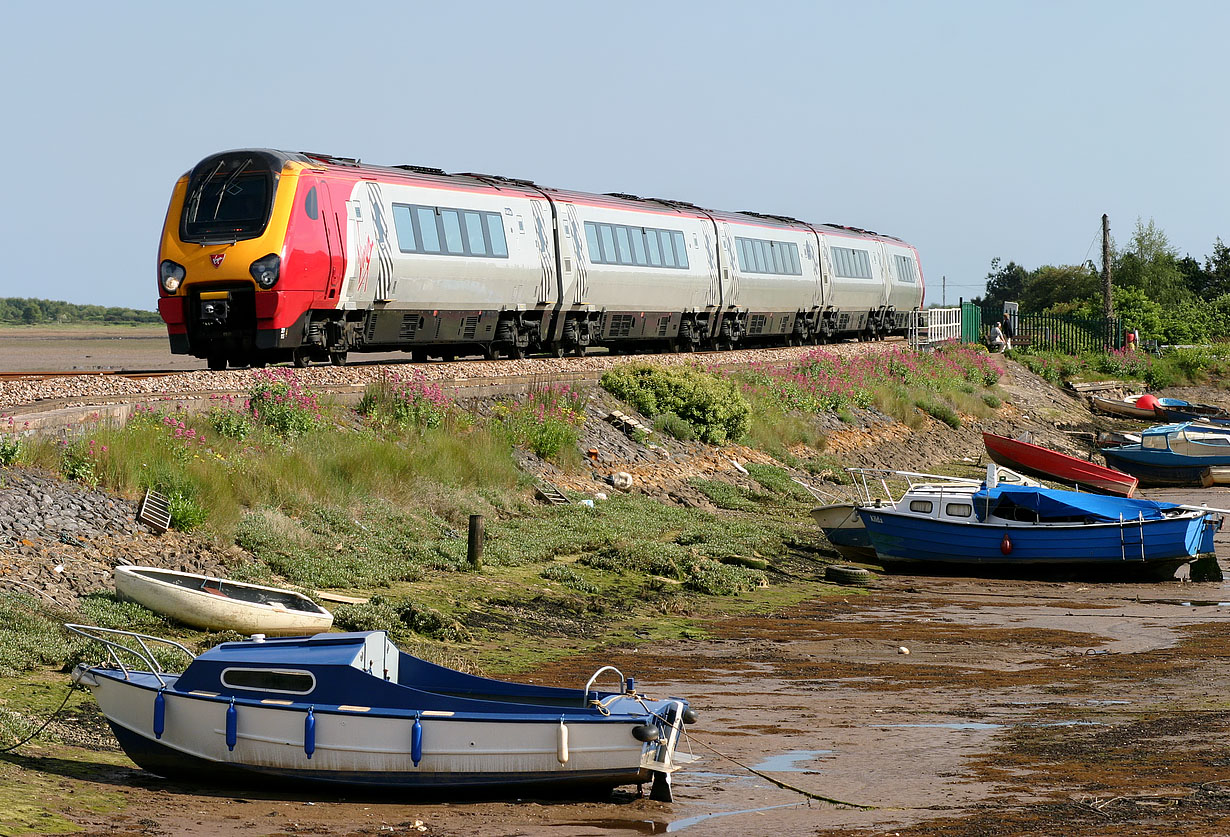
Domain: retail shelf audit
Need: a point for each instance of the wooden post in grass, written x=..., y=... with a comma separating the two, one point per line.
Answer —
x=475, y=546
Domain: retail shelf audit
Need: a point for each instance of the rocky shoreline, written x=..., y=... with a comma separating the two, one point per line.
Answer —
x=60, y=540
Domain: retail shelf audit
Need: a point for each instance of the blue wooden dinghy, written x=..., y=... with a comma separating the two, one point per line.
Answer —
x=352, y=709
x=1176, y=454
x=1004, y=526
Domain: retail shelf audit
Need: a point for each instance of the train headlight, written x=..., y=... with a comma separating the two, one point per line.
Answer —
x=170, y=275
x=265, y=270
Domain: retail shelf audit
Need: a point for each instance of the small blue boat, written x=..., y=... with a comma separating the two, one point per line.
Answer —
x=1176, y=454
x=941, y=524
x=351, y=709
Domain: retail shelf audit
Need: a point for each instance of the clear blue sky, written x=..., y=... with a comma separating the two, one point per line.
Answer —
x=970, y=129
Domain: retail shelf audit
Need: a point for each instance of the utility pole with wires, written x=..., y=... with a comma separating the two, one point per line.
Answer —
x=1108, y=305
x=944, y=291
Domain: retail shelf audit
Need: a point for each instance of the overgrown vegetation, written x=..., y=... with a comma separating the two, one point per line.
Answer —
x=1177, y=300
x=29, y=311
x=1183, y=365
x=712, y=405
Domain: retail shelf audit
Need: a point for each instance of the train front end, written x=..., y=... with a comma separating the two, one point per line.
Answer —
x=221, y=262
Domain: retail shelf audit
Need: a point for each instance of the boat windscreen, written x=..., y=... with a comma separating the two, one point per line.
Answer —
x=1057, y=505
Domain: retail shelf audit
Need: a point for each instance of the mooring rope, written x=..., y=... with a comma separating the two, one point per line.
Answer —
x=51, y=718
x=783, y=785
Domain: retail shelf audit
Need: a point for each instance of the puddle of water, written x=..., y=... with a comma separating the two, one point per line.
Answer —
x=949, y=725
x=638, y=826
x=789, y=762
x=1204, y=604
x=680, y=825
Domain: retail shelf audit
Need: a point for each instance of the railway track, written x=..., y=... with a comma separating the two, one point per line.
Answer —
x=55, y=400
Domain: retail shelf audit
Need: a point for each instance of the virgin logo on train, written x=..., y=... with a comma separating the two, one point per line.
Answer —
x=217, y=258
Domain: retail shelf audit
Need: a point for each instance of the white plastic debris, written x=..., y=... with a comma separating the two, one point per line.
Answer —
x=600, y=496
x=622, y=480
x=901, y=649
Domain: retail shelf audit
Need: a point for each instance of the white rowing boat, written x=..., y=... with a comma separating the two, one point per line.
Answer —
x=220, y=604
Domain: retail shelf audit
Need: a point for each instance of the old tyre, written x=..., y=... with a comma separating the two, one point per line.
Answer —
x=849, y=575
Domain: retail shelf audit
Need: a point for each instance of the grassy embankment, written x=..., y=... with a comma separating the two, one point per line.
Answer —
x=375, y=502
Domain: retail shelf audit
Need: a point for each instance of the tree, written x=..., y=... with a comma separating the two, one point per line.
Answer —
x=1005, y=284
x=1216, y=272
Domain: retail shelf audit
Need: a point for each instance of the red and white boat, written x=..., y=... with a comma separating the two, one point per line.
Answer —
x=1052, y=465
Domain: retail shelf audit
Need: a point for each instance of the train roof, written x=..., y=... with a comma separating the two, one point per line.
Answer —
x=479, y=181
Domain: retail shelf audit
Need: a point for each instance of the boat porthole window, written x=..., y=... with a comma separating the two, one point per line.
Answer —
x=958, y=509
x=921, y=506
x=287, y=681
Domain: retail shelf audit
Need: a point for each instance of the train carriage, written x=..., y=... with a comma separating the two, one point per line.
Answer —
x=269, y=256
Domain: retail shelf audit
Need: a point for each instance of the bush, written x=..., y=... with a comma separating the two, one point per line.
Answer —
x=674, y=426
x=186, y=514
x=939, y=411
x=711, y=404
x=10, y=450
x=547, y=421
x=568, y=577
x=405, y=402
x=716, y=579
x=280, y=404
x=398, y=619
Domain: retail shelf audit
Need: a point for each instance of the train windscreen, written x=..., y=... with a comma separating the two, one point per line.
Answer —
x=229, y=199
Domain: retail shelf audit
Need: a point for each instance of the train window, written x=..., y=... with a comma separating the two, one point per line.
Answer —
x=452, y=232
x=795, y=267
x=309, y=204
x=475, y=237
x=655, y=251
x=681, y=249
x=495, y=233
x=591, y=238
x=426, y=229
x=778, y=265
x=668, y=249
x=608, y=244
x=905, y=269
x=622, y=245
x=403, y=222
x=851, y=264
x=638, y=246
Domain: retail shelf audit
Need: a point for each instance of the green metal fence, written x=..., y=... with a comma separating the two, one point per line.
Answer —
x=1071, y=335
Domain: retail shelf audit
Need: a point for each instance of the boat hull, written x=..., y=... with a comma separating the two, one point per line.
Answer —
x=362, y=746
x=1124, y=408
x=218, y=612
x=1161, y=467
x=1162, y=544
x=1045, y=463
x=845, y=531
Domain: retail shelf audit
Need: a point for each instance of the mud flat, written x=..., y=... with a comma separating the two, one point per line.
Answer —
x=1022, y=707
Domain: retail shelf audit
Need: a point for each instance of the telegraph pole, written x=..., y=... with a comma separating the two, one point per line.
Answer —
x=943, y=291
x=1107, y=304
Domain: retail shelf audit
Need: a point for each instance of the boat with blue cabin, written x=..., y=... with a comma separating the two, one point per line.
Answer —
x=1186, y=453
x=941, y=524
x=352, y=709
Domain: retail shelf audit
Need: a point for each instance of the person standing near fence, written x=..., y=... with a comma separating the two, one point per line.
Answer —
x=1009, y=331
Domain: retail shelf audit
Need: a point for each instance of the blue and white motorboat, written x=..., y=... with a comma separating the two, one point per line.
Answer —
x=352, y=709
x=940, y=523
x=1186, y=453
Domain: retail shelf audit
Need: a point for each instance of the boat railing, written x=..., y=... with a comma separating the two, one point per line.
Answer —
x=116, y=650
x=585, y=699
x=866, y=479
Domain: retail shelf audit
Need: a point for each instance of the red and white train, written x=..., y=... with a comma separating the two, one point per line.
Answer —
x=269, y=256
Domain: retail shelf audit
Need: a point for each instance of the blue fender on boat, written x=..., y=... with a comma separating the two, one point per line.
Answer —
x=416, y=741
x=160, y=714
x=232, y=725
x=309, y=733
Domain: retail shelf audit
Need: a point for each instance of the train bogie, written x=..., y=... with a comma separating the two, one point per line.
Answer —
x=269, y=256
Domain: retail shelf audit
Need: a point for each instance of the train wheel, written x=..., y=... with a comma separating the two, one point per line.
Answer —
x=491, y=352
x=301, y=358
x=515, y=352
x=418, y=355
x=337, y=358
x=579, y=350
x=555, y=349
x=217, y=362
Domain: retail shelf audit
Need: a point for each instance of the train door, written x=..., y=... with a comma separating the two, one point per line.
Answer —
x=330, y=217
x=544, y=233
x=360, y=248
